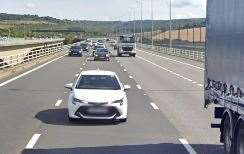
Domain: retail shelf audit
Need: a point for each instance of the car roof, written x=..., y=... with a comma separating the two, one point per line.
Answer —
x=98, y=72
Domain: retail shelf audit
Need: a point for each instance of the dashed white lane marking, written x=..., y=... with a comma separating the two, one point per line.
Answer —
x=145, y=94
x=84, y=64
x=200, y=85
x=33, y=141
x=155, y=107
x=77, y=75
x=167, y=70
x=138, y=86
x=131, y=77
x=81, y=68
x=125, y=70
x=121, y=65
x=173, y=60
x=30, y=71
x=187, y=146
x=58, y=103
x=194, y=82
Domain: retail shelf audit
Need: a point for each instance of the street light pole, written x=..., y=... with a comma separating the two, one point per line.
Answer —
x=134, y=12
x=152, y=22
x=141, y=22
x=170, y=24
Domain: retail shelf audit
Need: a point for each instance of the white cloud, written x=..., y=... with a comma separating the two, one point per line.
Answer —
x=30, y=6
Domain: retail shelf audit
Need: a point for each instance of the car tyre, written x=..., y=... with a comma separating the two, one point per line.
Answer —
x=123, y=120
x=239, y=141
x=228, y=144
x=72, y=119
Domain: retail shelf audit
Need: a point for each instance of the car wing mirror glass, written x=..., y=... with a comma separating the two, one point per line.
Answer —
x=69, y=86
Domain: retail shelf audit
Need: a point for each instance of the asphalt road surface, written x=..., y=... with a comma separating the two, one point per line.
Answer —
x=165, y=112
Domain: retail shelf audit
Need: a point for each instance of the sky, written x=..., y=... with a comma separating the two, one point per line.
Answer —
x=105, y=10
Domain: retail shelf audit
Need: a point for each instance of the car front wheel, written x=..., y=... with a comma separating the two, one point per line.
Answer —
x=72, y=119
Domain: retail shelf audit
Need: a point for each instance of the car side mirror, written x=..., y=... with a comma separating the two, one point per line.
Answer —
x=126, y=87
x=69, y=86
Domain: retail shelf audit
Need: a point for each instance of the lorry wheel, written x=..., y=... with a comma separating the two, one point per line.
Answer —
x=239, y=148
x=227, y=136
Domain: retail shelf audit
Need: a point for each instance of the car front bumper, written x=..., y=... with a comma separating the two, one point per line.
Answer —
x=91, y=111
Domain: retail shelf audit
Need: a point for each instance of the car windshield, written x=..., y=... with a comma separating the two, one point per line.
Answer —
x=102, y=50
x=104, y=82
x=125, y=39
x=75, y=48
x=83, y=45
x=100, y=46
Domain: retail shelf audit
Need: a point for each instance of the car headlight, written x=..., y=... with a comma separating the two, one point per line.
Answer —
x=121, y=102
x=75, y=100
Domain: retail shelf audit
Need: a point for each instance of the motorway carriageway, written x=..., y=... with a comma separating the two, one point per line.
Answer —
x=165, y=113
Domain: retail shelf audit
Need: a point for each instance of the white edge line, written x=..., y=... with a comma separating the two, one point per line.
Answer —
x=58, y=102
x=155, y=107
x=187, y=146
x=173, y=60
x=28, y=72
x=176, y=74
x=33, y=141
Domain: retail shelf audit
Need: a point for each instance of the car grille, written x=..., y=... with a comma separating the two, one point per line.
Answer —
x=84, y=110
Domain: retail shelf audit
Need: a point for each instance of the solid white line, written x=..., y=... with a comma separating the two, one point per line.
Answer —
x=33, y=141
x=58, y=103
x=167, y=70
x=155, y=107
x=138, y=86
x=30, y=71
x=131, y=77
x=173, y=60
x=187, y=146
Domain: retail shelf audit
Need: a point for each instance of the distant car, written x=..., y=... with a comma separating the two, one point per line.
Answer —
x=100, y=41
x=112, y=43
x=75, y=51
x=89, y=42
x=84, y=47
x=102, y=54
x=98, y=47
x=94, y=44
x=97, y=95
x=100, y=44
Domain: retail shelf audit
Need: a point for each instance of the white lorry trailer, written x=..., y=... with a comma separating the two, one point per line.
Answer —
x=126, y=45
x=224, y=70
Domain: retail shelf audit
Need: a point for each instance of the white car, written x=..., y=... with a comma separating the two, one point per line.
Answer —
x=97, y=95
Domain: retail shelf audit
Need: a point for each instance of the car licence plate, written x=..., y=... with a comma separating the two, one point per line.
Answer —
x=97, y=110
